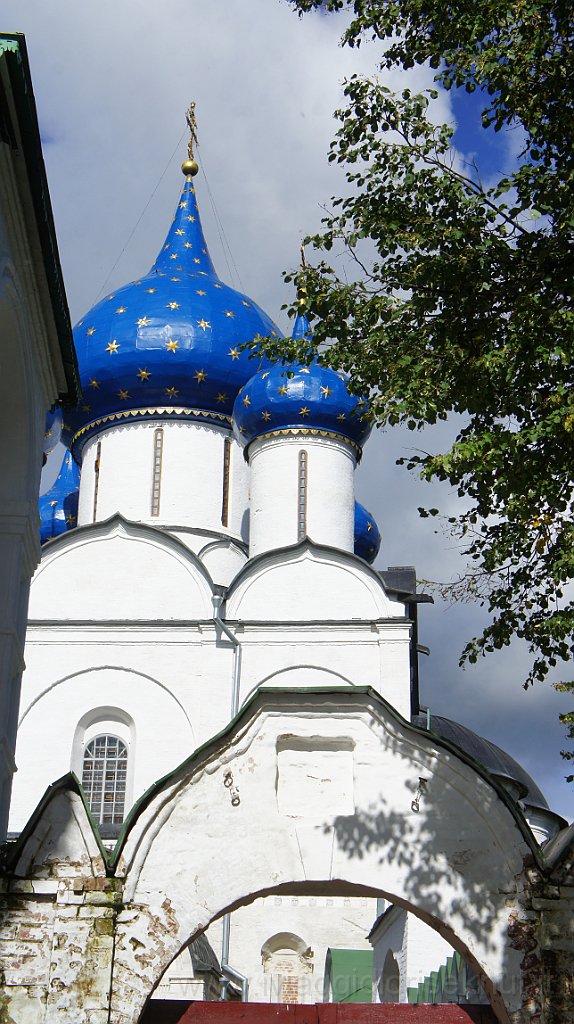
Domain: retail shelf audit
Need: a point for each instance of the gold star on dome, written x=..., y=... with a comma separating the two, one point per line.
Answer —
x=283, y=389
x=326, y=392
x=266, y=415
x=341, y=417
x=192, y=219
x=94, y=383
x=183, y=205
x=166, y=247
x=198, y=291
x=173, y=305
x=188, y=245
x=204, y=324
x=112, y=346
x=264, y=375
x=171, y=392
x=204, y=251
x=137, y=282
x=150, y=291
x=229, y=313
x=304, y=411
x=221, y=398
x=215, y=285
x=369, y=527
x=123, y=395
x=304, y=369
x=143, y=321
x=173, y=255
x=110, y=297
x=86, y=408
x=91, y=330
x=175, y=278
x=248, y=304
x=52, y=503
x=247, y=401
x=234, y=353
x=273, y=334
x=172, y=345
x=121, y=309
x=200, y=376
x=196, y=259
x=180, y=231
x=144, y=374
x=70, y=520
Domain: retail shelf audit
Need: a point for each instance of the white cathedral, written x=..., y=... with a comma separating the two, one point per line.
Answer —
x=203, y=541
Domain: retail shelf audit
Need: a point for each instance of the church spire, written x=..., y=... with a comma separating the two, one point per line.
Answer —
x=185, y=249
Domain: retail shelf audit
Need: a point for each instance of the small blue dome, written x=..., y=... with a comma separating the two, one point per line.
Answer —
x=367, y=534
x=305, y=399
x=53, y=429
x=58, y=507
x=169, y=343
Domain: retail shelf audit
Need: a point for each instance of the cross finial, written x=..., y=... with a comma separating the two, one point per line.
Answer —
x=192, y=125
x=189, y=166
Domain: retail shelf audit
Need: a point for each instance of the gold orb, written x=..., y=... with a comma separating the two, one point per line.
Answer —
x=190, y=167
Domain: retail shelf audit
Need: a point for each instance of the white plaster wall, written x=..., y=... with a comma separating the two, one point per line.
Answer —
x=175, y=684
x=191, y=476
x=118, y=572
x=329, y=655
x=308, y=583
x=274, y=464
x=321, y=921
x=457, y=860
x=31, y=378
x=426, y=951
x=390, y=935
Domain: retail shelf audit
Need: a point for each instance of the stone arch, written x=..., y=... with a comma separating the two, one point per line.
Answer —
x=455, y=859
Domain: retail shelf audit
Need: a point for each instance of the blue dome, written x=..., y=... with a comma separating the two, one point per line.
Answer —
x=304, y=399
x=53, y=429
x=58, y=507
x=367, y=534
x=167, y=344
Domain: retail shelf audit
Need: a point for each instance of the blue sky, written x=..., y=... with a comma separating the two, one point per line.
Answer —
x=112, y=83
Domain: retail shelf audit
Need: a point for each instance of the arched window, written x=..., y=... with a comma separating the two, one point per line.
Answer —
x=104, y=776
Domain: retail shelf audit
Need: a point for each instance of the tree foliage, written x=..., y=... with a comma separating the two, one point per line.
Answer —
x=463, y=297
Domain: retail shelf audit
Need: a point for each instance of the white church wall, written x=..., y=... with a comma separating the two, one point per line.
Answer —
x=329, y=655
x=389, y=937
x=223, y=560
x=119, y=572
x=307, y=584
x=190, y=476
x=319, y=921
x=174, y=684
x=275, y=481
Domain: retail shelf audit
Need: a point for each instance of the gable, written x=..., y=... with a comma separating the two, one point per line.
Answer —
x=119, y=570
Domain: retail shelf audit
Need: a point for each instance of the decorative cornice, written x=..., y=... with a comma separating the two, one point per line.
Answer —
x=307, y=432
x=149, y=412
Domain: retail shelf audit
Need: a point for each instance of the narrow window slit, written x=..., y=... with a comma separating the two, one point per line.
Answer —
x=226, y=468
x=97, y=479
x=156, y=481
x=302, y=497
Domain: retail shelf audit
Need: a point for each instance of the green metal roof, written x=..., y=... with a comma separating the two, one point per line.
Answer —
x=349, y=975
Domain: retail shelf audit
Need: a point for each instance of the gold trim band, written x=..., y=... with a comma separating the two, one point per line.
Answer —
x=163, y=411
